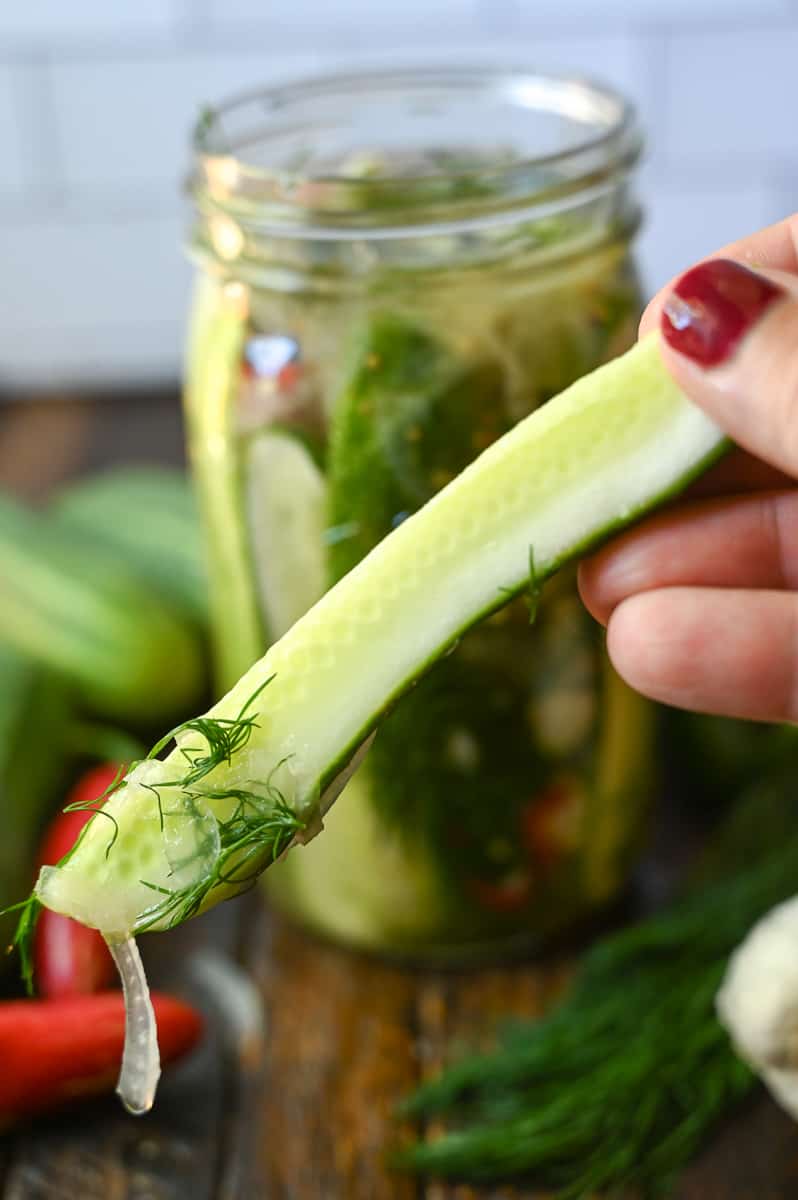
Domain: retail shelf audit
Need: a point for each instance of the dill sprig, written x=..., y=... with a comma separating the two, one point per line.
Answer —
x=260, y=827
x=620, y=1084
x=96, y=806
x=224, y=737
x=22, y=941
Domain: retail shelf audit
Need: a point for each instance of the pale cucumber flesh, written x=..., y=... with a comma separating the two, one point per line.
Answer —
x=287, y=507
x=590, y=461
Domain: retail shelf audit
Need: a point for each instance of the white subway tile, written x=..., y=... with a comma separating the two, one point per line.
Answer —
x=733, y=96
x=497, y=17
x=615, y=59
x=602, y=13
x=95, y=275
x=684, y=222
x=13, y=174
x=612, y=57
x=788, y=192
x=107, y=299
x=47, y=21
x=238, y=12
x=73, y=356
x=94, y=302
x=127, y=124
x=351, y=24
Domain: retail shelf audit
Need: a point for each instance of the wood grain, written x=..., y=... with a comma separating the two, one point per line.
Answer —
x=340, y=1052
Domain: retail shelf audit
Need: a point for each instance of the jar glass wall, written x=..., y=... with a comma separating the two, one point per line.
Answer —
x=393, y=270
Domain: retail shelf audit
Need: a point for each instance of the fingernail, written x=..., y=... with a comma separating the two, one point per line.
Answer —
x=712, y=307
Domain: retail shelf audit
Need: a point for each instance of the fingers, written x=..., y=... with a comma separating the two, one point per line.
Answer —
x=740, y=542
x=774, y=248
x=734, y=653
x=730, y=338
x=727, y=642
x=739, y=472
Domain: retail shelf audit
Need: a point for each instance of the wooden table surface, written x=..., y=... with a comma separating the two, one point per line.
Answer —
x=308, y=1047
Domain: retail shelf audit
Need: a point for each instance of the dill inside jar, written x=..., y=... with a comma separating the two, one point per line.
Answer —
x=392, y=271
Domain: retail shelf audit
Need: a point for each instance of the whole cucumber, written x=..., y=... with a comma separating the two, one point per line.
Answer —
x=80, y=607
x=151, y=515
x=35, y=712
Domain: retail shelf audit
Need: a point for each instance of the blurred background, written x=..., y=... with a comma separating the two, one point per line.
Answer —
x=106, y=571
x=97, y=99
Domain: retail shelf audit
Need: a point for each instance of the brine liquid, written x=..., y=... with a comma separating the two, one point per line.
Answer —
x=503, y=796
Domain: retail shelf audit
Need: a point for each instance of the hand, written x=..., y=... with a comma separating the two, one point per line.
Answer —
x=701, y=601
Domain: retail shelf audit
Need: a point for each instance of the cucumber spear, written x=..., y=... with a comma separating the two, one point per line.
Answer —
x=256, y=774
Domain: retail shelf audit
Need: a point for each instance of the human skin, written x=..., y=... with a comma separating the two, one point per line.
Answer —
x=701, y=601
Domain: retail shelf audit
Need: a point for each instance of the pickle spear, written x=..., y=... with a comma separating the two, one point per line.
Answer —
x=258, y=771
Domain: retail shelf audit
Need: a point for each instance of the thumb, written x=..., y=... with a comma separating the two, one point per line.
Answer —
x=730, y=338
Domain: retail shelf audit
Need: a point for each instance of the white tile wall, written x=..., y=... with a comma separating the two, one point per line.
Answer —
x=13, y=171
x=733, y=96
x=90, y=274
x=89, y=301
x=651, y=12
x=125, y=124
x=619, y=58
x=46, y=23
x=684, y=221
x=348, y=24
x=96, y=99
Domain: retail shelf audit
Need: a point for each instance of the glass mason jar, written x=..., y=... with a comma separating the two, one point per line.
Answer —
x=393, y=269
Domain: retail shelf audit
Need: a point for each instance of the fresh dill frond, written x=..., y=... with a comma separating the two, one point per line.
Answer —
x=260, y=826
x=203, y=125
x=92, y=805
x=224, y=737
x=22, y=942
x=618, y=1087
x=30, y=908
x=532, y=594
x=96, y=806
x=534, y=588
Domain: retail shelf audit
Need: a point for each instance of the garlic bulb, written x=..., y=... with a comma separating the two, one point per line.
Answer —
x=758, y=1002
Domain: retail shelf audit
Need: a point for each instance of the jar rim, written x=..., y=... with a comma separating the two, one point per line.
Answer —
x=309, y=197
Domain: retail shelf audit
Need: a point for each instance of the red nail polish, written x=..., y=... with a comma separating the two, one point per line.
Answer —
x=712, y=307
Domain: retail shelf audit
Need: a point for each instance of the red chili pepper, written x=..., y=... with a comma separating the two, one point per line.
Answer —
x=56, y=1051
x=69, y=958
x=505, y=895
x=551, y=824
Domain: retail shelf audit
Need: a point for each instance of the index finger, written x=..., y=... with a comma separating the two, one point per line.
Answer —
x=775, y=247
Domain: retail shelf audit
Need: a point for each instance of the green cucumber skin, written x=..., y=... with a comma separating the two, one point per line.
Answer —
x=585, y=465
x=76, y=606
x=505, y=594
x=35, y=714
x=317, y=783
x=411, y=412
x=286, y=497
x=216, y=341
x=150, y=515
